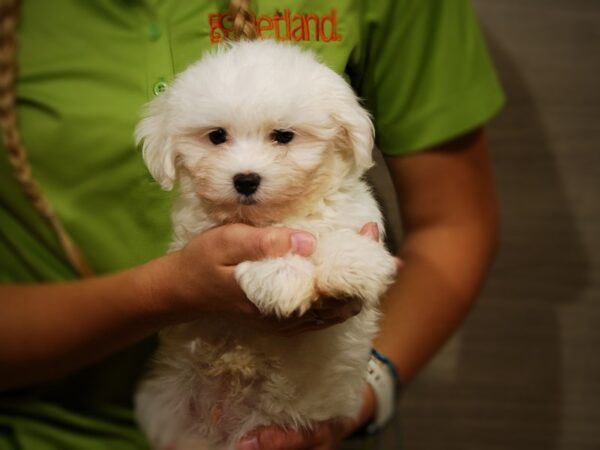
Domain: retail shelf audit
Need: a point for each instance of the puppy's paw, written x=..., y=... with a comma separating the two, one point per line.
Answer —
x=351, y=265
x=279, y=286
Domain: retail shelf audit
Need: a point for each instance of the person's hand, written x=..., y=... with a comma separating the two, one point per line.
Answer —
x=324, y=436
x=336, y=310
x=198, y=280
x=372, y=230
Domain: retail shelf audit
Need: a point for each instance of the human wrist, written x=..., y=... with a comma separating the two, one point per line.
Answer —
x=384, y=381
x=157, y=283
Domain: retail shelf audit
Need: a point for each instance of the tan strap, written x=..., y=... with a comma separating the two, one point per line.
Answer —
x=244, y=22
x=17, y=155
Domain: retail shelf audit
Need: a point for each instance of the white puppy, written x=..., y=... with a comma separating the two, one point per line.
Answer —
x=262, y=133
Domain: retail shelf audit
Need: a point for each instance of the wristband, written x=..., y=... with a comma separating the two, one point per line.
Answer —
x=392, y=368
x=385, y=381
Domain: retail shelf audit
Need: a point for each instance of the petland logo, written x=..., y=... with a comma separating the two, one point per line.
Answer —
x=281, y=26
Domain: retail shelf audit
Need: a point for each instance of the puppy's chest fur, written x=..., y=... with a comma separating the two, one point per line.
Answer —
x=214, y=380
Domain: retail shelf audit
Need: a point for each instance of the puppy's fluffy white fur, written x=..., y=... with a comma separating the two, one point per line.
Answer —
x=212, y=382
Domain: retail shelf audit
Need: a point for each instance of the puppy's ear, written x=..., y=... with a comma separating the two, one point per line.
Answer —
x=157, y=147
x=356, y=133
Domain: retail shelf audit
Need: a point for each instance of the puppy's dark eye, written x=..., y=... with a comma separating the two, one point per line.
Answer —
x=218, y=136
x=282, y=136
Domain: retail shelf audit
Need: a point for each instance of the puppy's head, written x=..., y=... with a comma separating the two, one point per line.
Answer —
x=256, y=131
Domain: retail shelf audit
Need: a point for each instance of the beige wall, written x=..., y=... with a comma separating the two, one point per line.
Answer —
x=524, y=372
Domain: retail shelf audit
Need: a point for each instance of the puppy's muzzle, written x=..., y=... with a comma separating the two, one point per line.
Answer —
x=246, y=183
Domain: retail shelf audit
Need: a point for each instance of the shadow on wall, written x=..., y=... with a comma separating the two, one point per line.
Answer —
x=505, y=392
x=511, y=347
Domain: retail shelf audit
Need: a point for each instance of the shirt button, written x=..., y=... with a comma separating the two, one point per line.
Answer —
x=154, y=32
x=159, y=87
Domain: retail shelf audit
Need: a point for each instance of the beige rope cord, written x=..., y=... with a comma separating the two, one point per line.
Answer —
x=244, y=28
x=17, y=155
x=244, y=24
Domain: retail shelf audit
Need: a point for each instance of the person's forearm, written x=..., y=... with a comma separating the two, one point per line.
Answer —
x=51, y=329
x=449, y=208
x=444, y=267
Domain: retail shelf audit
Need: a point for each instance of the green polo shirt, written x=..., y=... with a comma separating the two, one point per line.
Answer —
x=85, y=70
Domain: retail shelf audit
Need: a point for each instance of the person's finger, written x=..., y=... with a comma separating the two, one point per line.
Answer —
x=322, y=436
x=276, y=438
x=399, y=263
x=342, y=428
x=240, y=242
x=248, y=443
x=331, y=307
x=293, y=329
x=311, y=324
x=304, y=327
x=371, y=230
x=328, y=311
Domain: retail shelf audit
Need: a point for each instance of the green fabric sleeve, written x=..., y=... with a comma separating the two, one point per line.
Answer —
x=428, y=76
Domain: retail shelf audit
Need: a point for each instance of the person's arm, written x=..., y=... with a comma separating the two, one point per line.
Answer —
x=49, y=330
x=450, y=216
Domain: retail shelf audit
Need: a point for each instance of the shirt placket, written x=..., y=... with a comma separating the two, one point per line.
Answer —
x=159, y=57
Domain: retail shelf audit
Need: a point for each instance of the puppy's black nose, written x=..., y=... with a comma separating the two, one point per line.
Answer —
x=246, y=183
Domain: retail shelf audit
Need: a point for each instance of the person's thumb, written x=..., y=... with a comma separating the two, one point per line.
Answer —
x=244, y=243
